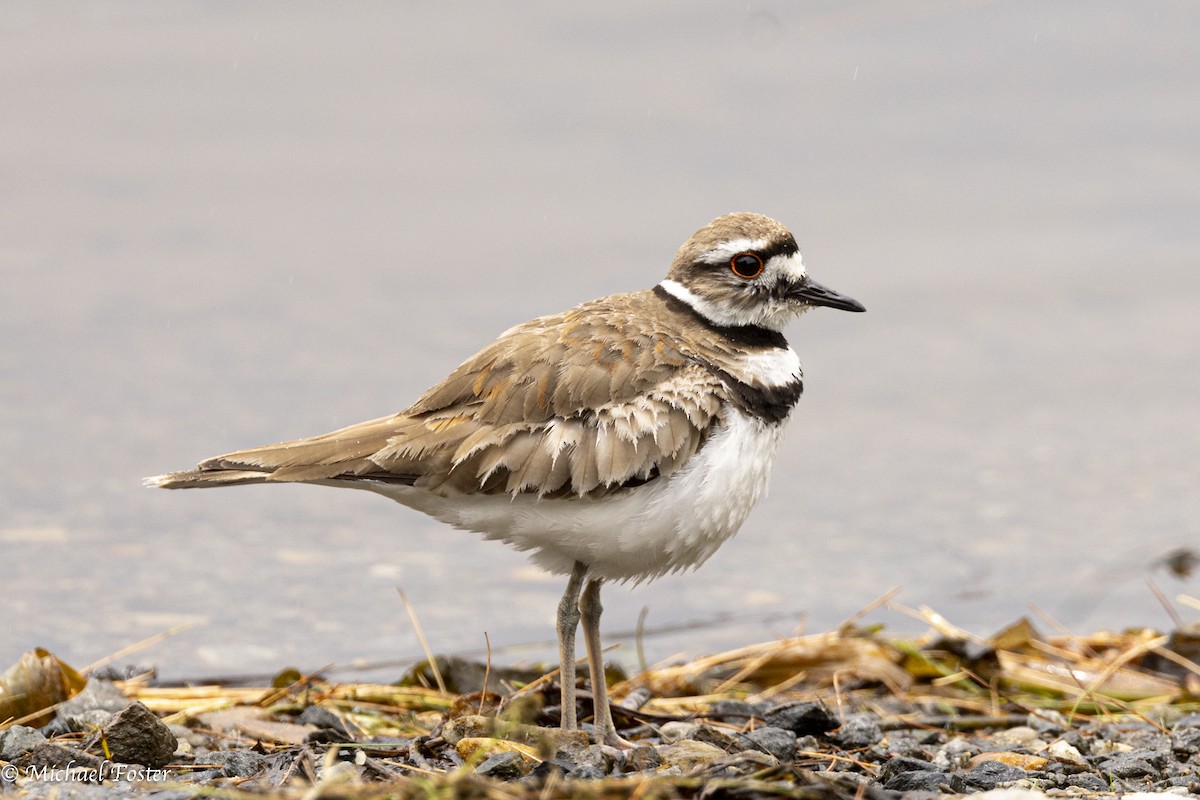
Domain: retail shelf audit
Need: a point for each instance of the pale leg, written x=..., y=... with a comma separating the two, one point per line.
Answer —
x=590, y=608
x=568, y=621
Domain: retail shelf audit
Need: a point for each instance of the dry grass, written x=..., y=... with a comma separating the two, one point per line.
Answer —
x=946, y=678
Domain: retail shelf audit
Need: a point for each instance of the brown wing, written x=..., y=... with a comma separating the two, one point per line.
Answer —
x=579, y=403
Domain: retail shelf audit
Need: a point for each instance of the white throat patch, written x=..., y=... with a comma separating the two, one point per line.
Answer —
x=710, y=311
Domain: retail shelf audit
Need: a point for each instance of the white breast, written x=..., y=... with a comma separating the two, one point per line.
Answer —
x=667, y=525
x=774, y=367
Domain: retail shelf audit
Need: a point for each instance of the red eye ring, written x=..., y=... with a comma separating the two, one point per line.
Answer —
x=746, y=265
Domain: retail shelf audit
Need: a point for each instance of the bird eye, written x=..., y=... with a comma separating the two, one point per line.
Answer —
x=746, y=265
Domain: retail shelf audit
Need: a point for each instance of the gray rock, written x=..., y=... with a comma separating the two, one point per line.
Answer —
x=325, y=720
x=550, y=770
x=1128, y=765
x=895, y=766
x=917, y=781
x=860, y=730
x=136, y=736
x=777, y=742
x=729, y=742
x=239, y=763
x=904, y=744
x=808, y=717
x=688, y=754
x=97, y=694
x=807, y=744
x=18, y=740
x=586, y=772
x=745, y=763
x=1077, y=740
x=954, y=754
x=583, y=761
x=87, y=721
x=1139, y=736
x=642, y=758
x=1089, y=781
x=676, y=731
x=586, y=760
x=988, y=775
x=1185, y=741
x=735, y=711
x=49, y=755
x=506, y=766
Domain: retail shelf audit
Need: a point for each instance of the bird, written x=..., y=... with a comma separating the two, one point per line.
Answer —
x=619, y=441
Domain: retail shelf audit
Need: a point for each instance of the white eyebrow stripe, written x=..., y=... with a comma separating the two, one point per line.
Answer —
x=727, y=250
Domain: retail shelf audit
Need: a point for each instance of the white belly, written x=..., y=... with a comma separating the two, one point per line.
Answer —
x=667, y=525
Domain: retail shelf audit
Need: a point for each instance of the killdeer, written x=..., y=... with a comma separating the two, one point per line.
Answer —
x=621, y=440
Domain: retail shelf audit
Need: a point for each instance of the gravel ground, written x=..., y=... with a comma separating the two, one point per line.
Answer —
x=865, y=736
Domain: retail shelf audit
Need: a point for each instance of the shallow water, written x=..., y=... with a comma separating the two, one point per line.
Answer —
x=224, y=225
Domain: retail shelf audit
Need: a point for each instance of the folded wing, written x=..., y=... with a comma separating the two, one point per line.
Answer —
x=581, y=403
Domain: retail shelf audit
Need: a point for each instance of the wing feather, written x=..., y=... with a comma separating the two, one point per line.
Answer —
x=582, y=403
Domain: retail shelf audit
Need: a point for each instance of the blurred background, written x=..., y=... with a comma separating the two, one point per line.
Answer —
x=227, y=224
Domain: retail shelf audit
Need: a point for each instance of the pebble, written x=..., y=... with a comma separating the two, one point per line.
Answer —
x=238, y=763
x=678, y=731
x=746, y=762
x=860, y=730
x=917, y=781
x=1106, y=746
x=688, y=754
x=955, y=754
x=84, y=722
x=737, y=712
x=802, y=718
x=49, y=755
x=777, y=742
x=325, y=720
x=988, y=775
x=135, y=736
x=1128, y=765
x=590, y=761
x=1019, y=760
x=507, y=766
x=96, y=695
x=718, y=737
x=1185, y=741
x=1019, y=736
x=643, y=758
x=18, y=740
x=1060, y=750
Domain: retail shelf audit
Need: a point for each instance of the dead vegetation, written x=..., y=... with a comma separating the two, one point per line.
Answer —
x=315, y=738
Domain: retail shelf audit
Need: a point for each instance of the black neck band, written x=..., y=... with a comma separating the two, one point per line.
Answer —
x=754, y=336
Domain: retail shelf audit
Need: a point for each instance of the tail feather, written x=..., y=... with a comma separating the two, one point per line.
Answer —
x=342, y=454
x=200, y=478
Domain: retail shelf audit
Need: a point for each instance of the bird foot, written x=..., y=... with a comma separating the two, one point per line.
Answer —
x=614, y=740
